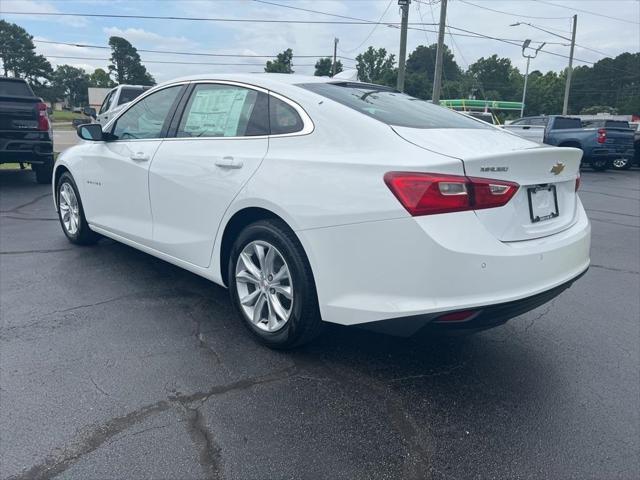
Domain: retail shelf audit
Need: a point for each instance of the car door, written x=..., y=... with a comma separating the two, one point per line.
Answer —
x=218, y=143
x=116, y=171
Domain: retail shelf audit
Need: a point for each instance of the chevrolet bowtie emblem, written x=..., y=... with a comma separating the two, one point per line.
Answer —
x=557, y=168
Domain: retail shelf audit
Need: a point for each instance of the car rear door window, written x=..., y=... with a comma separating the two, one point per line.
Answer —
x=219, y=110
x=283, y=117
x=147, y=118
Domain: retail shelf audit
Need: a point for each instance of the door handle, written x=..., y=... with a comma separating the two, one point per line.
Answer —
x=228, y=162
x=139, y=157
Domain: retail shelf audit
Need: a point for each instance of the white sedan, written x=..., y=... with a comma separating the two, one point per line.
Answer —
x=315, y=200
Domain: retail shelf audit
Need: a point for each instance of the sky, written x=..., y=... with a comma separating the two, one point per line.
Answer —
x=597, y=35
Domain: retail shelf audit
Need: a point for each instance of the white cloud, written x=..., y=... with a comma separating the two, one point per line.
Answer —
x=28, y=6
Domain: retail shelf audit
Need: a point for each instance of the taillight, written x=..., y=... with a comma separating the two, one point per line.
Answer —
x=43, y=117
x=602, y=135
x=577, y=182
x=431, y=193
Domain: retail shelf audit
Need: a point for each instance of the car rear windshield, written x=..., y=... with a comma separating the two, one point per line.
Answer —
x=128, y=94
x=15, y=89
x=562, y=123
x=392, y=107
x=607, y=123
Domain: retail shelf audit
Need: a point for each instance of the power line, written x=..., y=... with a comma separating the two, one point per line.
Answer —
x=372, y=30
x=588, y=12
x=174, y=63
x=170, y=52
x=205, y=19
x=512, y=14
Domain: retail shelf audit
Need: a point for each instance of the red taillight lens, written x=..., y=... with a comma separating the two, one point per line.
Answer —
x=602, y=135
x=577, y=182
x=431, y=193
x=461, y=316
x=43, y=117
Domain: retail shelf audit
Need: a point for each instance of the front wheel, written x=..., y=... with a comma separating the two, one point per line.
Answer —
x=272, y=287
x=71, y=214
x=621, y=164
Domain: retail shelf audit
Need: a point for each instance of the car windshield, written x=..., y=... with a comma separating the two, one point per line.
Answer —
x=392, y=107
x=128, y=94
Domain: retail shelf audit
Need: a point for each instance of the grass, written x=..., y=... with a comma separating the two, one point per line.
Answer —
x=64, y=116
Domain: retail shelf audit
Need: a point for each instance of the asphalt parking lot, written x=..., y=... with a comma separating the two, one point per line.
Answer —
x=114, y=364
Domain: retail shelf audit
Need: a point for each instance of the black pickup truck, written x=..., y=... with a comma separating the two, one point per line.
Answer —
x=25, y=130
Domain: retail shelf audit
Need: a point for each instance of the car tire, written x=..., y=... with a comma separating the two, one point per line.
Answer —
x=251, y=284
x=43, y=173
x=599, y=165
x=71, y=214
x=621, y=164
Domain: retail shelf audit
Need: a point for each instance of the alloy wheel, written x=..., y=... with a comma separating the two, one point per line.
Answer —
x=264, y=286
x=69, y=208
x=620, y=162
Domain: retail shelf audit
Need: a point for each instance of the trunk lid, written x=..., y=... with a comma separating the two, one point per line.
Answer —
x=498, y=155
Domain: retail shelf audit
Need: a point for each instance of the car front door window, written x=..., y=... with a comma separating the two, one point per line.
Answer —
x=146, y=119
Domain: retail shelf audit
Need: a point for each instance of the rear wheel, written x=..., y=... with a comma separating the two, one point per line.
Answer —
x=71, y=214
x=43, y=172
x=272, y=287
x=621, y=164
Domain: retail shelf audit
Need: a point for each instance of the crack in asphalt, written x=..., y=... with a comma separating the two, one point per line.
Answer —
x=28, y=219
x=614, y=269
x=416, y=465
x=27, y=204
x=546, y=310
x=61, y=459
x=29, y=252
x=209, y=455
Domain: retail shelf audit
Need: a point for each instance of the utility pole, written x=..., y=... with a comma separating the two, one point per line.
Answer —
x=525, y=45
x=335, y=54
x=404, y=6
x=437, y=76
x=567, y=85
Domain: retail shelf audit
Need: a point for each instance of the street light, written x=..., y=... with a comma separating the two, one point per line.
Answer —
x=567, y=85
x=525, y=45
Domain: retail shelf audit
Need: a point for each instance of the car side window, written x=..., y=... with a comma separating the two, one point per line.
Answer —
x=105, y=103
x=218, y=110
x=283, y=117
x=147, y=117
x=539, y=121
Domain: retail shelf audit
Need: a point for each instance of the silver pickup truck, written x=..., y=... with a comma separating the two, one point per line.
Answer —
x=116, y=100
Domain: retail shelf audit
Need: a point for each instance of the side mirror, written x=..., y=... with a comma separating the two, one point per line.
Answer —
x=90, y=112
x=91, y=131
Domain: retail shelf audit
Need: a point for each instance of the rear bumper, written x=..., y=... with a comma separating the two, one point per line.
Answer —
x=605, y=154
x=427, y=266
x=28, y=147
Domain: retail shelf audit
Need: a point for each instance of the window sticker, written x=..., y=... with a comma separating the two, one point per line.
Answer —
x=216, y=112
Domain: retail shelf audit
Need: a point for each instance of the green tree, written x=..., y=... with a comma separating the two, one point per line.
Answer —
x=18, y=55
x=72, y=83
x=497, y=78
x=126, y=64
x=323, y=67
x=421, y=68
x=100, y=78
x=282, y=63
x=375, y=66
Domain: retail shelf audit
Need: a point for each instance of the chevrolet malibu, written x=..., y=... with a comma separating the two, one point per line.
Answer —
x=316, y=200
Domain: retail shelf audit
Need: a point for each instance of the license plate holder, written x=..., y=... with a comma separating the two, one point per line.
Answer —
x=543, y=203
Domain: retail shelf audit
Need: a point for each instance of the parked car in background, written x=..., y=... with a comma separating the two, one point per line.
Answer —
x=530, y=132
x=25, y=129
x=635, y=126
x=600, y=144
x=319, y=200
x=116, y=100
x=624, y=134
